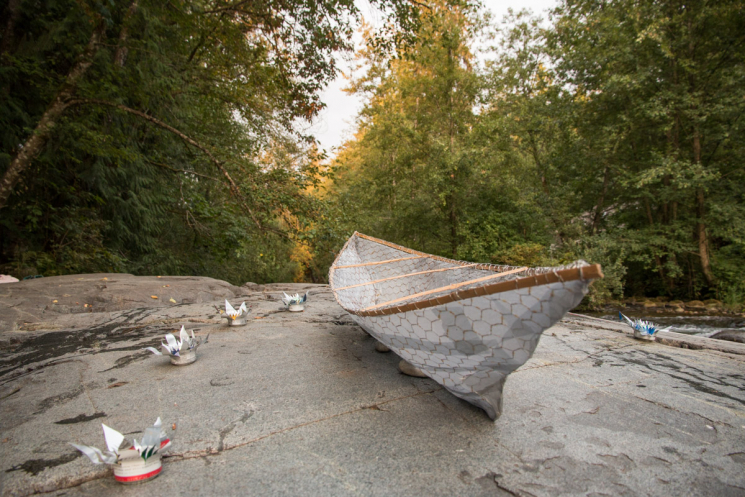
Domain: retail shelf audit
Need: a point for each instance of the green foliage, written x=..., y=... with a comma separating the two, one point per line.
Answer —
x=614, y=134
x=125, y=180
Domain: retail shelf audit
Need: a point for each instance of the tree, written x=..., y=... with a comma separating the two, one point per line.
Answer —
x=411, y=161
x=118, y=113
x=634, y=109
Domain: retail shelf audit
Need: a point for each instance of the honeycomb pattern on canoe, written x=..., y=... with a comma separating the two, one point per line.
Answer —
x=470, y=346
x=436, y=313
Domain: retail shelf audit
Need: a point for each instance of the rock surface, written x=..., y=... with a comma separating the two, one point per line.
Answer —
x=381, y=348
x=410, y=370
x=301, y=404
x=731, y=335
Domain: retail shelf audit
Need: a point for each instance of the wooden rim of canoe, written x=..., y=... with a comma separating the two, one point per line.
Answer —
x=591, y=272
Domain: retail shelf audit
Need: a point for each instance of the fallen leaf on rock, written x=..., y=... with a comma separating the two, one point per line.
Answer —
x=158, y=276
x=153, y=296
x=173, y=301
x=118, y=384
x=54, y=301
x=173, y=426
x=104, y=279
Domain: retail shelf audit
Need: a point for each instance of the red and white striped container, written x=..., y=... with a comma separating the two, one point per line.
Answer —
x=132, y=468
x=137, y=470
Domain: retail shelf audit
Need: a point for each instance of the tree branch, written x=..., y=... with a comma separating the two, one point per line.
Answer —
x=185, y=171
x=120, y=56
x=13, y=10
x=233, y=187
x=35, y=143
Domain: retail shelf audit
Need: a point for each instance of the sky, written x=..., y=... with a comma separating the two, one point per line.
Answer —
x=336, y=122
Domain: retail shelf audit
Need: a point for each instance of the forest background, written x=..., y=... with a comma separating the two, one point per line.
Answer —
x=158, y=137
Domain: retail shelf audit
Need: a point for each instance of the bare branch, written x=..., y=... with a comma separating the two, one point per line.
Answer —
x=13, y=11
x=233, y=187
x=185, y=171
x=120, y=56
x=35, y=143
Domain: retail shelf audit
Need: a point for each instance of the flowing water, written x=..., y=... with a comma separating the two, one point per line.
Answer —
x=689, y=325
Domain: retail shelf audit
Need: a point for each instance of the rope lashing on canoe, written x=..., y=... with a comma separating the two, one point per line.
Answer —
x=374, y=277
x=406, y=275
x=444, y=288
x=482, y=266
x=380, y=262
x=565, y=275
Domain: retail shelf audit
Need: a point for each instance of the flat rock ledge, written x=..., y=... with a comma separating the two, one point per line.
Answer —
x=301, y=404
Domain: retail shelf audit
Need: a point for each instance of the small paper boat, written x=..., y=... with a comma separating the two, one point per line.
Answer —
x=137, y=464
x=643, y=330
x=182, y=351
x=295, y=303
x=465, y=325
x=236, y=318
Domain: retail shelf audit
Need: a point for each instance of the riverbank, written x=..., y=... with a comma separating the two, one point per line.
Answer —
x=667, y=307
x=709, y=318
x=300, y=403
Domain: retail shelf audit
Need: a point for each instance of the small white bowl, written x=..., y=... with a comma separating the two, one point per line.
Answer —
x=638, y=334
x=184, y=358
x=239, y=321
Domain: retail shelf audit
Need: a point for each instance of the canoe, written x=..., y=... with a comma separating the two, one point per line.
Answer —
x=465, y=325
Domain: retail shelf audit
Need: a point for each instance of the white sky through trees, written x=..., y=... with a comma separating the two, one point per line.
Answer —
x=336, y=122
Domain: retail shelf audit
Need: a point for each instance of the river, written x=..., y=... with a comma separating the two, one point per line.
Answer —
x=689, y=325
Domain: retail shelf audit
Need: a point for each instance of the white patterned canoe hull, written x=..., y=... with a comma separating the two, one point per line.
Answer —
x=467, y=326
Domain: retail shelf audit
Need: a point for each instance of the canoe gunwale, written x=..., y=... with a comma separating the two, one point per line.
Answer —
x=590, y=272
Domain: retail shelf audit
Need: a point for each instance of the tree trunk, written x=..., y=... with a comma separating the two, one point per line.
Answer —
x=451, y=153
x=601, y=201
x=538, y=163
x=35, y=143
x=700, y=234
x=120, y=56
x=453, y=229
x=13, y=12
x=703, y=242
x=657, y=258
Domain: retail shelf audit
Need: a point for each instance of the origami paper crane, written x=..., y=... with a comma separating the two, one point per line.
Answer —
x=174, y=347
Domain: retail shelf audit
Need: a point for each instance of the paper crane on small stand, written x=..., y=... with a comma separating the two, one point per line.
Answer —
x=182, y=351
x=295, y=303
x=139, y=463
x=236, y=318
x=643, y=330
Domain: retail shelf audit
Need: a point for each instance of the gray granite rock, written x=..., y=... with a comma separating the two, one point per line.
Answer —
x=301, y=404
x=410, y=370
x=380, y=347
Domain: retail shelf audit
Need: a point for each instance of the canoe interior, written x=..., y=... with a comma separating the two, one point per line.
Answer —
x=368, y=273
